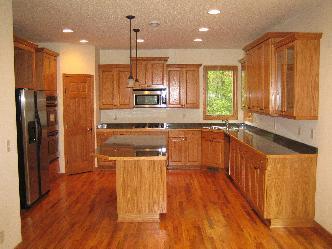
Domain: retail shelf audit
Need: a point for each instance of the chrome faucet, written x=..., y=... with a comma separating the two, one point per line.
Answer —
x=226, y=123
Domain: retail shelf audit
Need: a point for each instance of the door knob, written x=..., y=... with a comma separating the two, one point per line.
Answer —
x=89, y=129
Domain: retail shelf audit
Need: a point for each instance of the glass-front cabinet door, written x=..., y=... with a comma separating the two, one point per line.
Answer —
x=280, y=58
x=289, y=81
x=244, y=90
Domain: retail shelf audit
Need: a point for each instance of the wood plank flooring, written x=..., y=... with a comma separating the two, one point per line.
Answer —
x=204, y=211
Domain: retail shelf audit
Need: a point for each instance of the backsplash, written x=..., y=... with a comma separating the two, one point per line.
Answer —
x=155, y=115
x=302, y=131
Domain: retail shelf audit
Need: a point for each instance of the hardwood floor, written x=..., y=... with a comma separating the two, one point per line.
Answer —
x=204, y=211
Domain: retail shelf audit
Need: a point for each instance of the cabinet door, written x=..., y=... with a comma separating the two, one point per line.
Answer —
x=191, y=88
x=289, y=94
x=280, y=58
x=49, y=71
x=52, y=83
x=107, y=84
x=250, y=80
x=123, y=94
x=24, y=66
x=177, y=147
x=141, y=69
x=194, y=147
x=232, y=158
x=155, y=73
x=259, y=77
x=205, y=149
x=244, y=90
x=174, y=85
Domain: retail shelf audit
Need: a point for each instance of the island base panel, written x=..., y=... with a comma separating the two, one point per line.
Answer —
x=141, y=190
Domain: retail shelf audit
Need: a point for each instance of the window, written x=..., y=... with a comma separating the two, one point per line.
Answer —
x=220, y=92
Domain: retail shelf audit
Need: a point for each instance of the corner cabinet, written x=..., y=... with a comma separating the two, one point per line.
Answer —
x=260, y=73
x=183, y=85
x=113, y=90
x=282, y=71
x=280, y=188
x=46, y=70
x=297, y=76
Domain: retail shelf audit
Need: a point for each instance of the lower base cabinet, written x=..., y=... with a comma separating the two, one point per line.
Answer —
x=213, y=151
x=280, y=188
x=184, y=149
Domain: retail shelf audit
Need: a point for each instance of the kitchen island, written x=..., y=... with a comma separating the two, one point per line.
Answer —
x=141, y=162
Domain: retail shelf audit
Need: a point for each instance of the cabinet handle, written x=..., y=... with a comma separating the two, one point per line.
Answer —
x=256, y=167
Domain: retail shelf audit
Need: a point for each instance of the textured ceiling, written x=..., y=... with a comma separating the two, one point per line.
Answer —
x=103, y=22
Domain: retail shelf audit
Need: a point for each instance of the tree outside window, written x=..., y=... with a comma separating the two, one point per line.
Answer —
x=220, y=92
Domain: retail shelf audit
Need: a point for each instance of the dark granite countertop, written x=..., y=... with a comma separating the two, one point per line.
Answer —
x=259, y=139
x=270, y=143
x=133, y=146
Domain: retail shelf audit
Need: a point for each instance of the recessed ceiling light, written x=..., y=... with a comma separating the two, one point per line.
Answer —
x=66, y=30
x=84, y=41
x=154, y=24
x=203, y=29
x=198, y=40
x=140, y=40
x=214, y=12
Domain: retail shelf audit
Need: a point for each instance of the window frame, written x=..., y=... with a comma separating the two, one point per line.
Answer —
x=234, y=116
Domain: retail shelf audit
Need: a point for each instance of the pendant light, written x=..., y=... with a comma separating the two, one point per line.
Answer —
x=130, y=78
x=136, y=31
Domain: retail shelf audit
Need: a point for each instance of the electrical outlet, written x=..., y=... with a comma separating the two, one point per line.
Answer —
x=2, y=237
x=8, y=145
x=299, y=131
x=312, y=133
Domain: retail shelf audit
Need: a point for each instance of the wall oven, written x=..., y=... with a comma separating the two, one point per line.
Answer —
x=149, y=97
x=52, y=127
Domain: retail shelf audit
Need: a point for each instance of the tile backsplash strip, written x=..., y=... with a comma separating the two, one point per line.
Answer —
x=302, y=131
x=153, y=115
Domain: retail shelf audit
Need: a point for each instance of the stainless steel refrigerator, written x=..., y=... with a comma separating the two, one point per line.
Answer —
x=32, y=145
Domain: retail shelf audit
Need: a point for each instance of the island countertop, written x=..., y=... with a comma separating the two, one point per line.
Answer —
x=148, y=147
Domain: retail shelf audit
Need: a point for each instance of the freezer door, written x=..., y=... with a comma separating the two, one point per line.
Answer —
x=42, y=141
x=27, y=147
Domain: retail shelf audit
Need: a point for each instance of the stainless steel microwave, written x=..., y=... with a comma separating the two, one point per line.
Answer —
x=149, y=97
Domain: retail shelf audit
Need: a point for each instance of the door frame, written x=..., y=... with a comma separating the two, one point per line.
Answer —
x=92, y=118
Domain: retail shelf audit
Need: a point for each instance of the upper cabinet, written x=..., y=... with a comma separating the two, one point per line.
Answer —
x=282, y=75
x=260, y=71
x=113, y=90
x=24, y=63
x=297, y=76
x=183, y=85
x=244, y=90
x=151, y=71
x=46, y=70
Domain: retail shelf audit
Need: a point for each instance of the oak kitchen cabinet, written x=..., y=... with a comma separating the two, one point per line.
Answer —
x=46, y=70
x=184, y=148
x=183, y=85
x=213, y=149
x=151, y=71
x=281, y=188
x=260, y=72
x=297, y=76
x=24, y=63
x=113, y=90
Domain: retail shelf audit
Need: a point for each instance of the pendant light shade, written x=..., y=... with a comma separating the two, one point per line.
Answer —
x=130, y=78
x=136, y=31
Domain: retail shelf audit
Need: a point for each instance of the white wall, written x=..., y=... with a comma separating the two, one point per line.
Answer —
x=176, y=56
x=318, y=19
x=73, y=59
x=10, y=221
